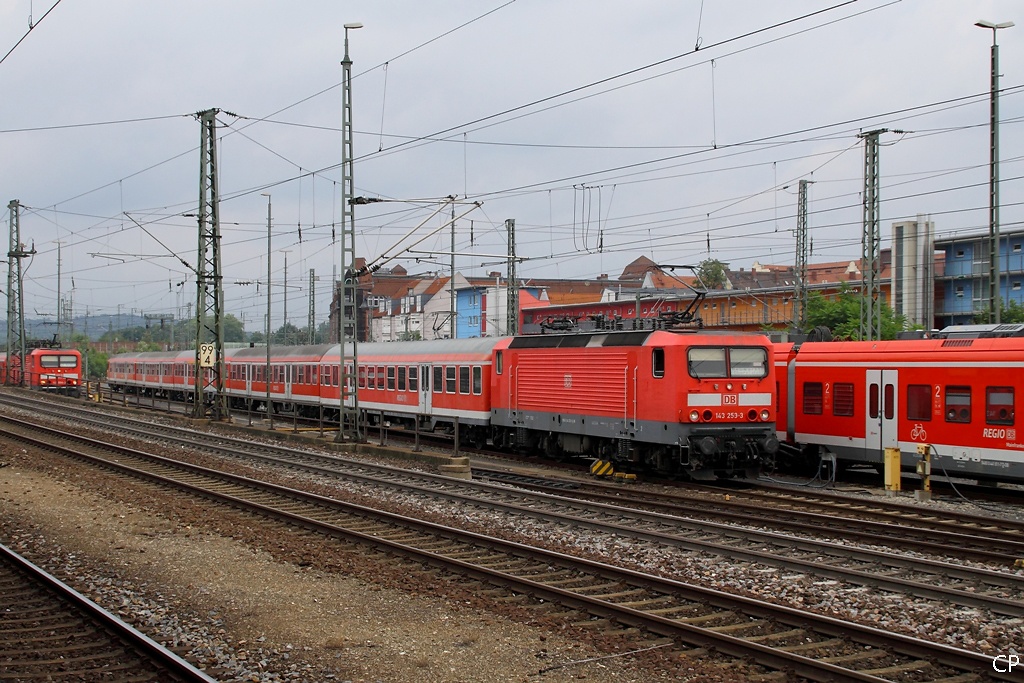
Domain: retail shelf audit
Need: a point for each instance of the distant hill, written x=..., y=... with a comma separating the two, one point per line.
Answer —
x=94, y=326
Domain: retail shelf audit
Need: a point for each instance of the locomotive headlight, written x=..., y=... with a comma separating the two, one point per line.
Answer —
x=764, y=414
x=728, y=387
x=694, y=416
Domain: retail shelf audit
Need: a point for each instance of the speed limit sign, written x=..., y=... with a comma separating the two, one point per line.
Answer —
x=207, y=355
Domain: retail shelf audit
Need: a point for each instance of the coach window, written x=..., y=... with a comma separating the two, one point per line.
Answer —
x=658, y=362
x=812, y=398
x=380, y=376
x=842, y=399
x=999, y=405
x=438, y=379
x=449, y=379
x=391, y=378
x=958, y=404
x=464, y=379
x=372, y=377
x=919, y=402
x=401, y=377
x=478, y=379
x=414, y=384
x=362, y=376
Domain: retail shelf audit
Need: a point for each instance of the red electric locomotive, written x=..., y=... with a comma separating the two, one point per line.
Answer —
x=956, y=393
x=48, y=369
x=693, y=402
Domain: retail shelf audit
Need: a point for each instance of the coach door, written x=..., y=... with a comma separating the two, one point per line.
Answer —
x=425, y=377
x=882, y=410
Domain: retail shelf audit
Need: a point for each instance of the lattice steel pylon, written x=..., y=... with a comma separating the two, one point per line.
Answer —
x=311, y=321
x=15, y=301
x=512, y=312
x=348, y=329
x=209, y=398
x=870, y=265
x=802, y=255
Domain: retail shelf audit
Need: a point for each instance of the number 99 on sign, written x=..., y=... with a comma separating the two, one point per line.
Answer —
x=207, y=355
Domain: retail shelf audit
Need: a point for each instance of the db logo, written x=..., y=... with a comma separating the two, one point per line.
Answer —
x=567, y=381
x=1005, y=663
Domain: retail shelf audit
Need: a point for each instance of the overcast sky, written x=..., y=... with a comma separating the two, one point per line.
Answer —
x=599, y=126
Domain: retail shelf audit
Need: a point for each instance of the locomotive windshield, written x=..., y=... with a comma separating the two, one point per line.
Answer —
x=711, y=362
x=64, y=360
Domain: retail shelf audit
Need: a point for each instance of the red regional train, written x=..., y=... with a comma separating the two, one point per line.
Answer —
x=47, y=369
x=698, y=403
x=956, y=392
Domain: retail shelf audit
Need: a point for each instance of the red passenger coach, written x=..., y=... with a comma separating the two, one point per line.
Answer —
x=294, y=372
x=957, y=395
x=441, y=381
x=693, y=402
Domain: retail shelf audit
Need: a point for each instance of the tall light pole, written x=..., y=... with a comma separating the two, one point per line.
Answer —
x=348, y=312
x=270, y=406
x=994, y=290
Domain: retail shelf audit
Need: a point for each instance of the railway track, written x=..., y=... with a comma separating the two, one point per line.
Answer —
x=978, y=537
x=49, y=632
x=664, y=611
x=605, y=511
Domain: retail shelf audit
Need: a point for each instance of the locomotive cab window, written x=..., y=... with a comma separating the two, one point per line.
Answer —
x=498, y=362
x=658, y=362
x=478, y=380
x=999, y=405
x=958, y=404
x=748, y=362
x=713, y=363
x=706, y=362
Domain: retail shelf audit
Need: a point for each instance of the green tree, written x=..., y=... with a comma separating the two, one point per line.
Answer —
x=1011, y=312
x=712, y=273
x=234, y=330
x=841, y=314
